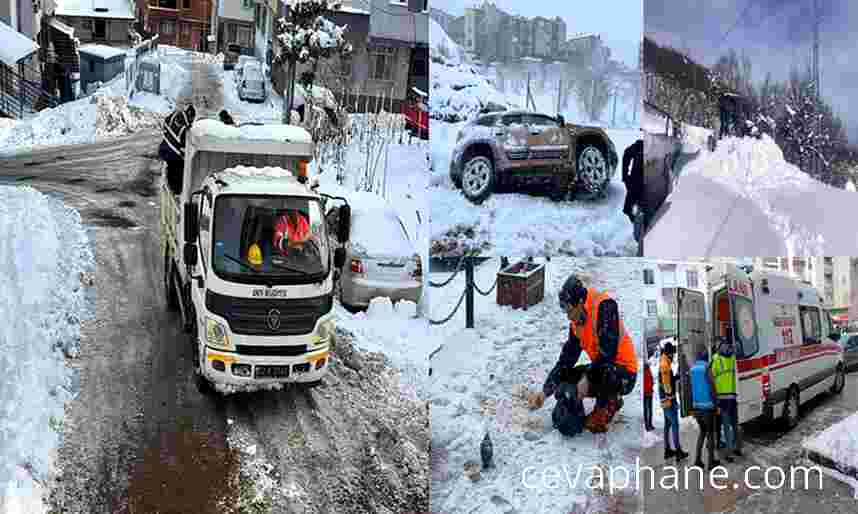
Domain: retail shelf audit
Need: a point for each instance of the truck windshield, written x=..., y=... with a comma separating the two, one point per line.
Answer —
x=269, y=239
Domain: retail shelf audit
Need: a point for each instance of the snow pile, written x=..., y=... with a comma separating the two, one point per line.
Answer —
x=45, y=256
x=442, y=49
x=480, y=379
x=839, y=443
x=83, y=121
x=459, y=92
x=695, y=138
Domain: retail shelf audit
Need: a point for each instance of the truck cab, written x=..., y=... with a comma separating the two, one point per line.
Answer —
x=248, y=260
x=785, y=344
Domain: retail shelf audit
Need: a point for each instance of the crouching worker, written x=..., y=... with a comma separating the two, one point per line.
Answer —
x=596, y=329
x=172, y=149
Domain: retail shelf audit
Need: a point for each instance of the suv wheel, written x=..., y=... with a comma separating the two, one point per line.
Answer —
x=478, y=178
x=593, y=172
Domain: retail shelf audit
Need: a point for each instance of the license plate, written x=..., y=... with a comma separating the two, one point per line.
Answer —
x=272, y=371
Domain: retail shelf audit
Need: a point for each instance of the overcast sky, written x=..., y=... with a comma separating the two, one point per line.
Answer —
x=777, y=35
x=619, y=22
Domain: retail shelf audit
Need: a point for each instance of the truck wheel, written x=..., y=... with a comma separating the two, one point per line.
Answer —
x=172, y=296
x=790, y=413
x=204, y=386
x=593, y=172
x=839, y=380
x=478, y=179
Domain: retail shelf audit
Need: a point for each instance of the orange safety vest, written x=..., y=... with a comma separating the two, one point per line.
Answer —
x=626, y=356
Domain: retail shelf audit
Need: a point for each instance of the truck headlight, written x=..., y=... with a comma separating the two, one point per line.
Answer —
x=216, y=334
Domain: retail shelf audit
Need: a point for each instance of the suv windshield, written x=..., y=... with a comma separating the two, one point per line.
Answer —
x=269, y=239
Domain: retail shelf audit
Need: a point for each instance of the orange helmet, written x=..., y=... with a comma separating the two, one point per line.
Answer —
x=291, y=227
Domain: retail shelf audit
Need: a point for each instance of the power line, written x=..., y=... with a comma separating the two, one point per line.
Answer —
x=747, y=8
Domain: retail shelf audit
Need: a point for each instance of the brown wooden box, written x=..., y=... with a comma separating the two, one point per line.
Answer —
x=521, y=285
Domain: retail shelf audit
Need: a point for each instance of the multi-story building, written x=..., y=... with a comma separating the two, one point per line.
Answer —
x=182, y=23
x=107, y=22
x=235, y=25
x=661, y=278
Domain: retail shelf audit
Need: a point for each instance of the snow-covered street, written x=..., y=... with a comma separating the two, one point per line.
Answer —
x=744, y=199
x=479, y=382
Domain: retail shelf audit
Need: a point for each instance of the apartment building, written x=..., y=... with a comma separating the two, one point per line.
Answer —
x=107, y=22
x=182, y=23
x=235, y=25
x=661, y=278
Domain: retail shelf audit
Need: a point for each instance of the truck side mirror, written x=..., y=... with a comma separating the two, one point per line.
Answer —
x=190, y=254
x=345, y=223
x=192, y=222
x=339, y=258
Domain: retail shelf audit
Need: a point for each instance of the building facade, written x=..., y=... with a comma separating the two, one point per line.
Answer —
x=109, y=22
x=235, y=25
x=661, y=278
x=182, y=23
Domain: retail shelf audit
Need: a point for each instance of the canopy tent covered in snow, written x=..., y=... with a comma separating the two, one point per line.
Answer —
x=16, y=46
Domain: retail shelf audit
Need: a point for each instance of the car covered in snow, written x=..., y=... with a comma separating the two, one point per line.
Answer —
x=251, y=83
x=502, y=149
x=381, y=260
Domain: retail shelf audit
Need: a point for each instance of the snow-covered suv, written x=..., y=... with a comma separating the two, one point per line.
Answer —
x=503, y=149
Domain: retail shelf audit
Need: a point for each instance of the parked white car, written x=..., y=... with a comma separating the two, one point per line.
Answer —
x=251, y=83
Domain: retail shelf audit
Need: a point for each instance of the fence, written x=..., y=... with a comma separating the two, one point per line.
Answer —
x=466, y=262
x=20, y=97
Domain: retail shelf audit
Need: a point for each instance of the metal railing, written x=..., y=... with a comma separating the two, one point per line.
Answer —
x=20, y=97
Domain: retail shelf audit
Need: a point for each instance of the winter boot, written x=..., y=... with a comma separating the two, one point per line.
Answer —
x=597, y=421
x=681, y=455
x=669, y=454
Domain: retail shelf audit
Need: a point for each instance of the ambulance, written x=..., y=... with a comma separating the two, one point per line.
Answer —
x=785, y=343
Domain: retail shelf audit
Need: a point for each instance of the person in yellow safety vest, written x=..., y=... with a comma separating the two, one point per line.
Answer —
x=724, y=374
x=667, y=393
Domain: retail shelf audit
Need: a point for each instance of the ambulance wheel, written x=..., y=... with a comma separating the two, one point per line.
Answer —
x=839, y=380
x=790, y=413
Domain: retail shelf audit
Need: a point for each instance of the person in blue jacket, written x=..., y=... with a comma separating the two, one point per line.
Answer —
x=703, y=402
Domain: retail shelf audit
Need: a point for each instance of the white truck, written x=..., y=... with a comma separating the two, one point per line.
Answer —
x=786, y=345
x=248, y=262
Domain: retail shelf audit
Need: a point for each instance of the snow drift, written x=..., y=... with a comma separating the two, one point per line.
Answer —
x=44, y=255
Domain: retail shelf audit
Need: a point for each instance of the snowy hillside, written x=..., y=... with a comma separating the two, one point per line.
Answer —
x=45, y=257
x=745, y=199
x=442, y=49
x=479, y=383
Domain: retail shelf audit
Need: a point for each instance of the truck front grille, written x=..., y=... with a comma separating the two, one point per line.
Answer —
x=272, y=351
x=252, y=316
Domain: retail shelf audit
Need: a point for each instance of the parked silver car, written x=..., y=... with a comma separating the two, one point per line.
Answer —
x=849, y=342
x=381, y=261
x=251, y=83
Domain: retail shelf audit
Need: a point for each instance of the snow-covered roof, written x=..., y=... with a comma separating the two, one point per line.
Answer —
x=352, y=10
x=279, y=133
x=103, y=51
x=263, y=181
x=16, y=46
x=115, y=9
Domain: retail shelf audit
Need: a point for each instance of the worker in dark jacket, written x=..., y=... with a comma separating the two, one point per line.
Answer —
x=633, y=177
x=172, y=149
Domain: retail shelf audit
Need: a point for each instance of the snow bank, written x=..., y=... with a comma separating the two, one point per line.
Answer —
x=102, y=51
x=695, y=138
x=839, y=443
x=442, y=49
x=44, y=254
x=82, y=121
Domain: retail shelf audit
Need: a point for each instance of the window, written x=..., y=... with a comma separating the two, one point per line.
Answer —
x=691, y=278
x=382, y=63
x=100, y=29
x=168, y=27
x=649, y=277
x=651, y=308
x=244, y=37
x=87, y=25
x=231, y=31
x=810, y=325
x=247, y=4
x=668, y=275
x=745, y=328
x=511, y=119
x=187, y=4
x=420, y=68
x=168, y=4
x=540, y=120
x=185, y=28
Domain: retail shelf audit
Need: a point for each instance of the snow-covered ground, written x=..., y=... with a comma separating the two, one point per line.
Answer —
x=477, y=384
x=839, y=442
x=580, y=228
x=45, y=257
x=745, y=199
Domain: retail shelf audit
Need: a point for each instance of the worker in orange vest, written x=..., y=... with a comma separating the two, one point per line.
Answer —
x=595, y=322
